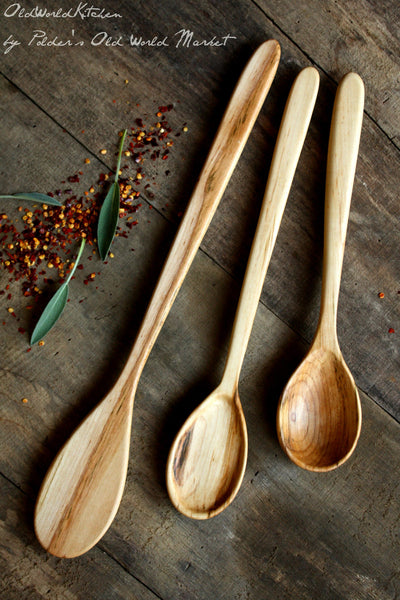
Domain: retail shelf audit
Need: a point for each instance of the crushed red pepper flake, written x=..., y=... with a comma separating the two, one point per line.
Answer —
x=42, y=238
x=391, y=330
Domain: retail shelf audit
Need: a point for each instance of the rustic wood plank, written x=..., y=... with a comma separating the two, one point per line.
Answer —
x=332, y=535
x=123, y=289
x=29, y=574
x=352, y=540
x=286, y=525
x=361, y=36
x=289, y=533
x=193, y=78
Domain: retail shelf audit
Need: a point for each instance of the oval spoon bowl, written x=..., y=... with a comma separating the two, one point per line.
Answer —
x=209, y=456
x=319, y=418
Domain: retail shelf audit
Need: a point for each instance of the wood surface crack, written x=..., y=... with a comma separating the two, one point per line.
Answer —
x=103, y=548
x=318, y=66
x=49, y=116
x=18, y=487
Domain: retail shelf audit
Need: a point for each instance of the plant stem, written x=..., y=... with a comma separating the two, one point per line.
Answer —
x=121, y=145
x=76, y=261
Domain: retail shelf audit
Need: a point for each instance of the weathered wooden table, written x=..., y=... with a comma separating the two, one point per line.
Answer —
x=290, y=533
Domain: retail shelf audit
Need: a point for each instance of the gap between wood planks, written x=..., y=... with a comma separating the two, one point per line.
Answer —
x=117, y=562
x=94, y=155
x=99, y=545
x=313, y=62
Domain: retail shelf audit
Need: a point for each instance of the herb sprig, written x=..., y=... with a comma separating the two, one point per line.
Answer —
x=109, y=213
x=55, y=306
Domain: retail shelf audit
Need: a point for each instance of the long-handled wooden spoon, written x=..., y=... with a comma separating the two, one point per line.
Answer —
x=319, y=413
x=82, y=490
x=208, y=457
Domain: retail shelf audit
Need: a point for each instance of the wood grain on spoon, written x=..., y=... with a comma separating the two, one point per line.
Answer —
x=319, y=413
x=82, y=490
x=208, y=458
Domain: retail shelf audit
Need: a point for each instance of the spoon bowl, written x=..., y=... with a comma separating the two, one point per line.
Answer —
x=209, y=457
x=319, y=419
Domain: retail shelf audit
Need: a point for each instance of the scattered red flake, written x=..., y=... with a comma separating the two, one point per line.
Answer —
x=164, y=109
x=391, y=330
x=73, y=179
x=39, y=246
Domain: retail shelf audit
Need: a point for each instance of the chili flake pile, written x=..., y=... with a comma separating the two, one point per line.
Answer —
x=40, y=242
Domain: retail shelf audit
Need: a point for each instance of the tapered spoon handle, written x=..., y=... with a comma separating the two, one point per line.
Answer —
x=238, y=120
x=291, y=136
x=82, y=490
x=344, y=140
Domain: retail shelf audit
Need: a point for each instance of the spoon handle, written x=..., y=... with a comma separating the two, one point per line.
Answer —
x=344, y=140
x=292, y=132
x=238, y=120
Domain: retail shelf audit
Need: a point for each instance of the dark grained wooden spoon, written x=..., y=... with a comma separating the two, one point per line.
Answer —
x=319, y=413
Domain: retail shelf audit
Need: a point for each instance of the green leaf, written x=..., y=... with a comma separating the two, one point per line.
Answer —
x=54, y=308
x=109, y=213
x=108, y=220
x=51, y=314
x=33, y=197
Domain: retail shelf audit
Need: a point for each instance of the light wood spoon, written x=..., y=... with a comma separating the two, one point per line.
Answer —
x=82, y=490
x=208, y=457
x=319, y=413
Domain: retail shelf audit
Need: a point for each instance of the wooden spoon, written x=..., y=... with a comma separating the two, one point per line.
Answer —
x=208, y=457
x=83, y=487
x=319, y=413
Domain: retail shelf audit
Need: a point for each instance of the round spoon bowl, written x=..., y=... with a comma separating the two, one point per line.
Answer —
x=208, y=458
x=319, y=417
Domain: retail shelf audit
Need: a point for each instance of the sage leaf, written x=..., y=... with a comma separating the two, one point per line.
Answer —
x=109, y=212
x=51, y=314
x=33, y=197
x=54, y=308
x=108, y=220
